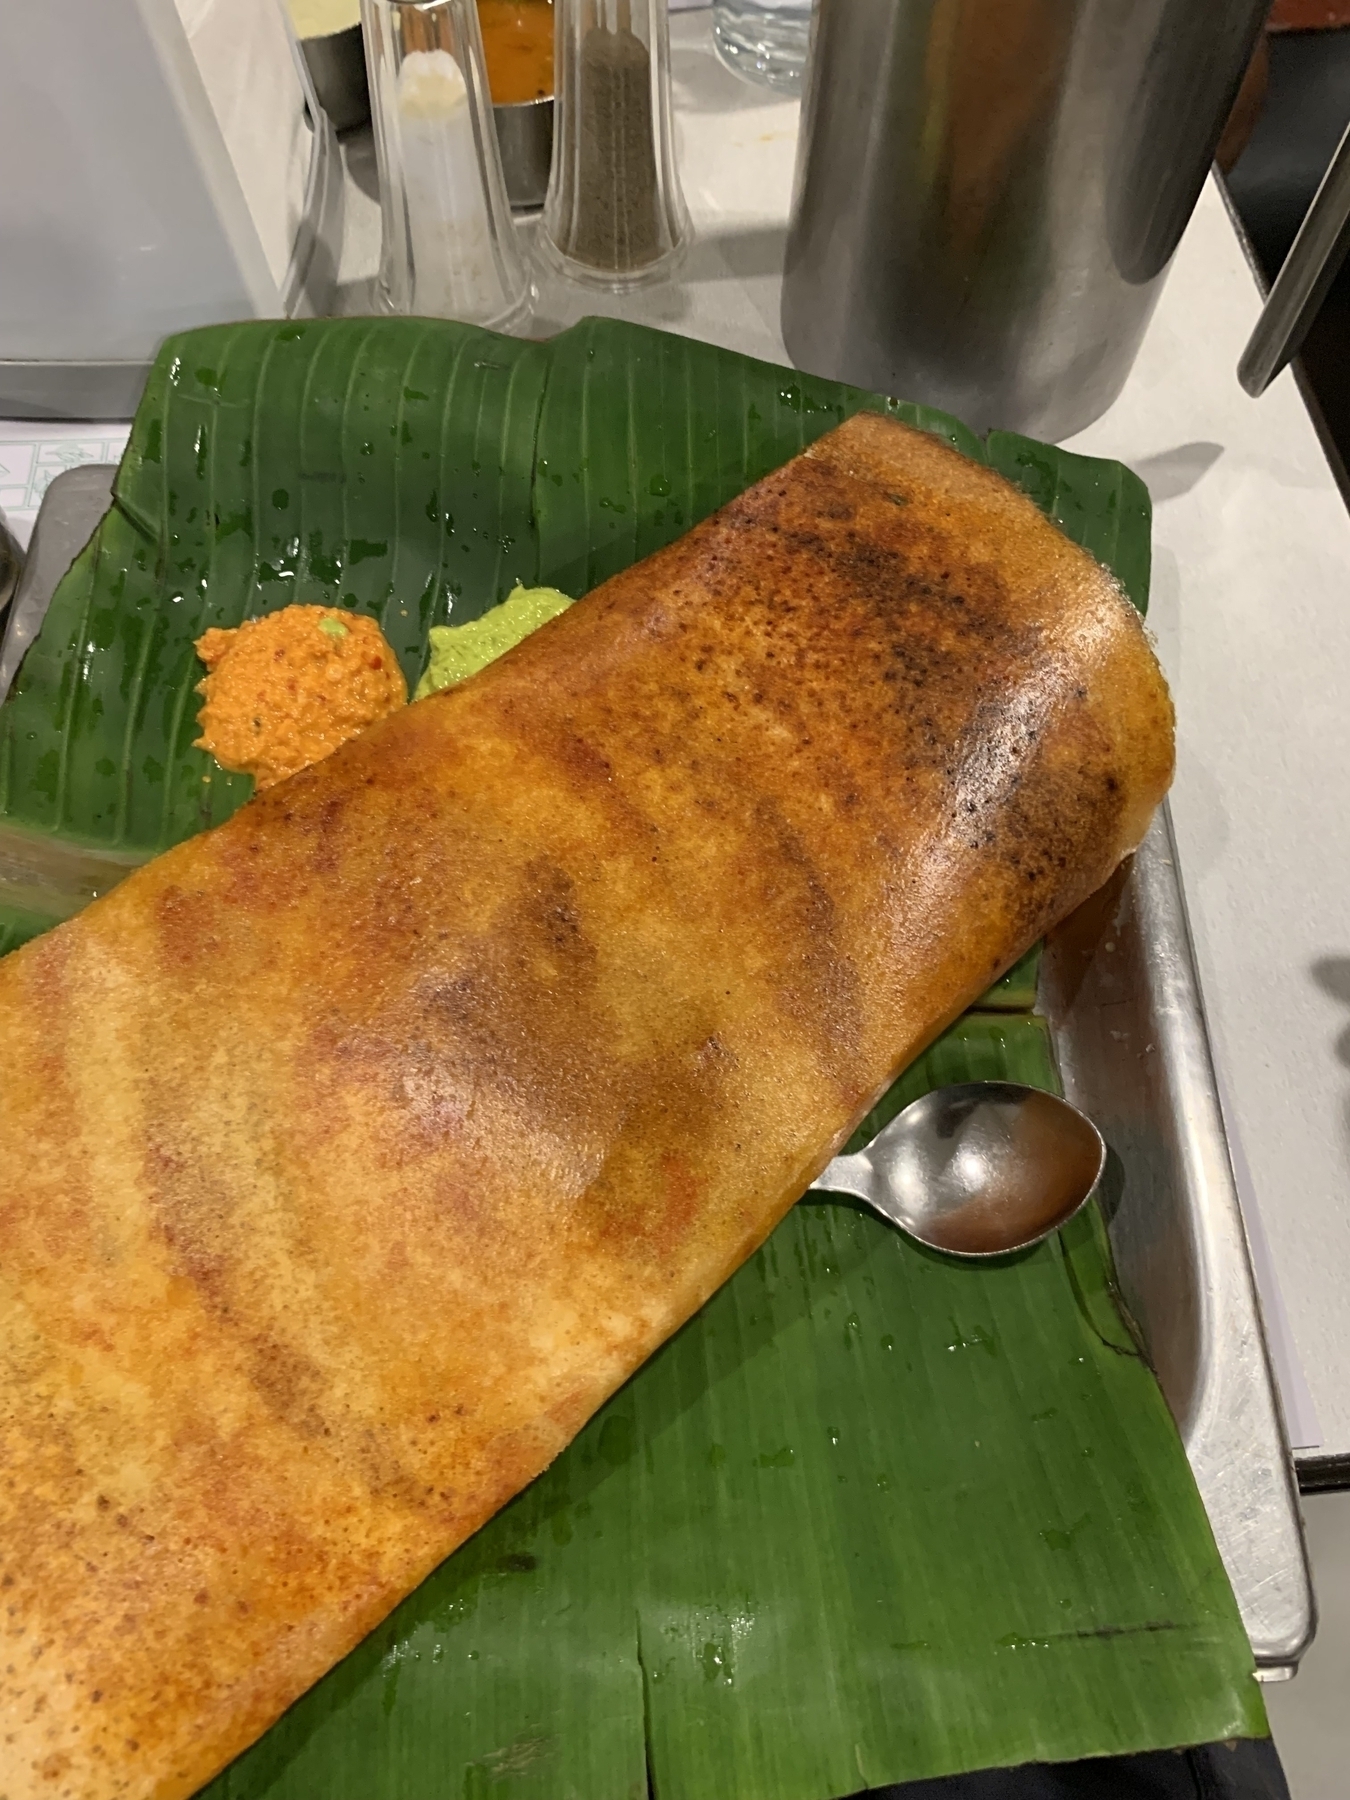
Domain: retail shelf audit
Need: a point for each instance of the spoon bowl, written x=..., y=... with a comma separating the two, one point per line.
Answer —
x=978, y=1169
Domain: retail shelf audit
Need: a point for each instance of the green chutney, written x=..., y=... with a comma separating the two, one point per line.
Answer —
x=458, y=651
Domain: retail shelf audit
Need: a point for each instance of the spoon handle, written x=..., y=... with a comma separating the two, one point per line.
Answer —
x=848, y=1175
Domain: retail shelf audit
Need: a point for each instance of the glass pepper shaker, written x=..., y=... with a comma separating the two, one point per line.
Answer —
x=449, y=247
x=615, y=214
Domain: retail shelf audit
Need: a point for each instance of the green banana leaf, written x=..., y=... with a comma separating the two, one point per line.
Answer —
x=409, y=470
x=17, y=926
x=873, y=1515
x=1015, y=991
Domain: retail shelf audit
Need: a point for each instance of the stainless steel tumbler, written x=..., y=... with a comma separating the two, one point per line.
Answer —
x=989, y=193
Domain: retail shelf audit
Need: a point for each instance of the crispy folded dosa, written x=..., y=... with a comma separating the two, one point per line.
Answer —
x=353, y=1153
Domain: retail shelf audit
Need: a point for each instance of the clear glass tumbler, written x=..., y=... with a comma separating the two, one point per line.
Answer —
x=764, y=40
x=615, y=212
x=449, y=247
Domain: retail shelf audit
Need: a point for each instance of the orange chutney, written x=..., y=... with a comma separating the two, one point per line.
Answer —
x=283, y=691
x=518, y=46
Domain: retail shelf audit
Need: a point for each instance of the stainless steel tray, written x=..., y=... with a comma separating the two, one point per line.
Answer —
x=1119, y=987
x=72, y=506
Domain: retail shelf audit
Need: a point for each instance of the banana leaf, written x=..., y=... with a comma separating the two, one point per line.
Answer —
x=873, y=1515
x=409, y=470
x=1015, y=991
x=17, y=926
x=385, y=467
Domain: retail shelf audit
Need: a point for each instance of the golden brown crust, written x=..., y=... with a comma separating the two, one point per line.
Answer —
x=518, y=1022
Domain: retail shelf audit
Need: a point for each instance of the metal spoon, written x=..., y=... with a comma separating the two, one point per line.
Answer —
x=976, y=1169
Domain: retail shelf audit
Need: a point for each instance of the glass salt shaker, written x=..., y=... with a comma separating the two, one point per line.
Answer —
x=449, y=247
x=615, y=214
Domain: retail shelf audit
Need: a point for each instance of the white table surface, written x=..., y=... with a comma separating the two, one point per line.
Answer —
x=1251, y=608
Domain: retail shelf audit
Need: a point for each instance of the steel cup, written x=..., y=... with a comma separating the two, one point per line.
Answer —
x=989, y=193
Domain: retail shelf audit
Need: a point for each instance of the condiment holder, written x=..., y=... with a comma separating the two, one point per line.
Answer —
x=615, y=214
x=525, y=139
x=449, y=246
x=337, y=67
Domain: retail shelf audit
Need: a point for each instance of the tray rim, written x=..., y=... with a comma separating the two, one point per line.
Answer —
x=1231, y=1421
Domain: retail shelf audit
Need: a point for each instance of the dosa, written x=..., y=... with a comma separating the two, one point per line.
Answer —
x=353, y=1153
